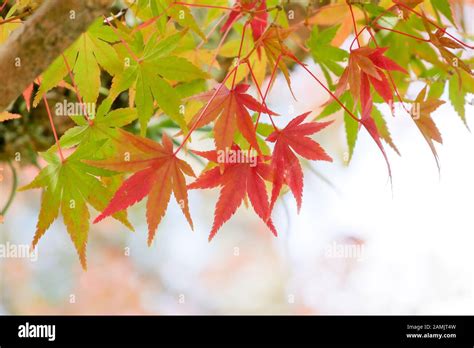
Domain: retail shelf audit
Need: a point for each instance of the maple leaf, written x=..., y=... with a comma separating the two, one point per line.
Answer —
x=444, y=7
x=367, y=120
x=178, y=12
x=272, y=41
x=352, y=125
x=338, y=15
x=371, y=62
x=286, y=167
x=149, y=76
x=237, y=179
x=90, y=52
x=259, y=20
x=324, y=53
x=459, y=86
x=103, y=127
x=421, y=112
x=383, y=129
x=230, y=107
x=157, y=173
x=367, y=66
x=7, y=116
x=442, y=43
x=8, y=25
x=68, y=187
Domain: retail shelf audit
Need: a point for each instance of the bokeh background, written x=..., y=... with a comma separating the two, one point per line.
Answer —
x=414, y=242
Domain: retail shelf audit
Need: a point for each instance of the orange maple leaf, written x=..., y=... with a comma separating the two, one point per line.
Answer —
x=158, y=172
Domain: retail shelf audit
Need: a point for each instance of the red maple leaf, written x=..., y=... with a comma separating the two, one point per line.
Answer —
x=158, y=172
x=286, y=167
x=231, y=108
x=243, y=174
x=371, y=62
x=368, y=66
x=367, y=120
x=259, y=19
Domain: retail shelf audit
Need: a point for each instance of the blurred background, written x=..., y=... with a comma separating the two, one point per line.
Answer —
x=356, y=247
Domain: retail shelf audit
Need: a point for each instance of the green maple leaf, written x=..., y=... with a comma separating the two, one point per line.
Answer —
x=324, y=53
x=383, y=129
x=103, y=127
x=444, y=7
x=90, y=52
x=69, y=187
x=460, y=84
x=351, y=126
x=149, y=77
x=179, y=13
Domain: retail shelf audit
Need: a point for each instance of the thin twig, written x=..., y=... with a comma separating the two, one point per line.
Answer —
x=13, y=190
x=53, y=127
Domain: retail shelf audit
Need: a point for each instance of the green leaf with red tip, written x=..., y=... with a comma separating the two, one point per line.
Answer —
x=69, y=187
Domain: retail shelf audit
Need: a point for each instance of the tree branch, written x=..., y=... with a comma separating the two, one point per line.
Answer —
x=40, y=40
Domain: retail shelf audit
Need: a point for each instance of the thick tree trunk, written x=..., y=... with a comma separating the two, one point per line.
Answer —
x=40, y=40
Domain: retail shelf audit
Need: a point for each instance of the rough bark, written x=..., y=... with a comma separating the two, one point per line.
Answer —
x=54, y=26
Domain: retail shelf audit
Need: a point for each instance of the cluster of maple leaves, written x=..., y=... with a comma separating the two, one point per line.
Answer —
x=112, y=169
